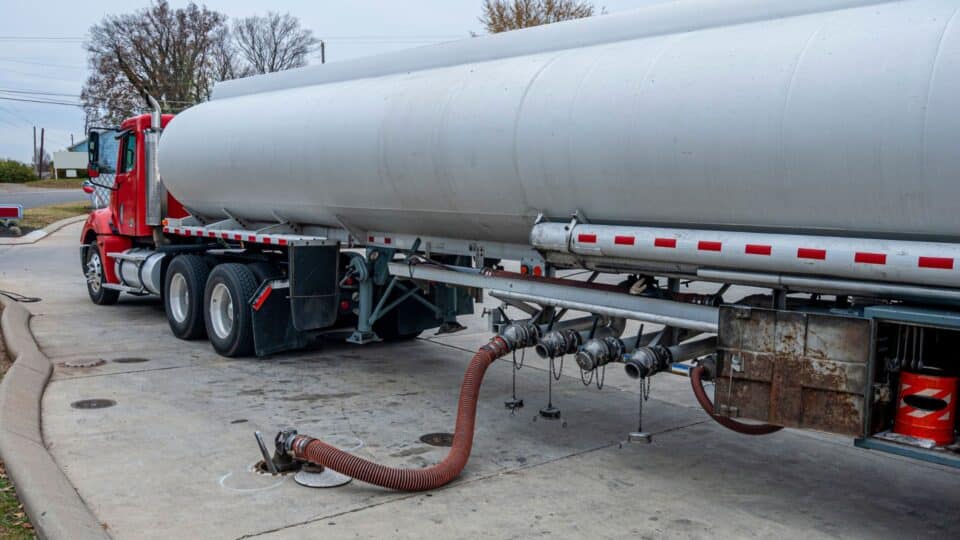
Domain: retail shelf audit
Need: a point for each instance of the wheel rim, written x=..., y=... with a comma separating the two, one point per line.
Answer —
x=94, y=272
x=221, y=311
x=179, y=298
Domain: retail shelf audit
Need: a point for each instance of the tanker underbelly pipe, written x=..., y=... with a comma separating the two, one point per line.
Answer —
x=696, y=381
x=315, y=451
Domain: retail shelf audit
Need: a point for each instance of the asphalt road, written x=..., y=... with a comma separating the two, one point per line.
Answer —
x=34, y=197
x=173, y=457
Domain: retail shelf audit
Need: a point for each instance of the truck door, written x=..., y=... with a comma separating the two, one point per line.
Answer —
x=126, y=197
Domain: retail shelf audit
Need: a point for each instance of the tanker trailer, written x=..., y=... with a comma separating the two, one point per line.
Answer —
x=808, y=150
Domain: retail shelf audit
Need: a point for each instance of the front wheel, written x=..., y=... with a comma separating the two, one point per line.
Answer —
x=227, y=311
x=93, y=271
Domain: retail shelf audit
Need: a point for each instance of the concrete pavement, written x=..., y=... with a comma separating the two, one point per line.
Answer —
x=173, y=457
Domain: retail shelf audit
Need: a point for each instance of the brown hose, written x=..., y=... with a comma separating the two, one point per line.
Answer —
x=696, y=381
x=321, y=453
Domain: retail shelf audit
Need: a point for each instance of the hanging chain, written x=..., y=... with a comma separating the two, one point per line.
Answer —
x=584, y=379
x=602, y=377
x=644, y=396
x=556, y=374
x=523, y=355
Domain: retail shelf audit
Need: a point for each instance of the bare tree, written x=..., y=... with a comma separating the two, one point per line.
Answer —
x=504, y=15
x=272, y=43
x=167, y=53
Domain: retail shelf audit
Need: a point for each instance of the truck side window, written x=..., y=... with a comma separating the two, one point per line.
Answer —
x=129, y=152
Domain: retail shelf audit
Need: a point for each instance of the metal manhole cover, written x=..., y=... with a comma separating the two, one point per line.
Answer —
x=93, y=404
x=84, y=363
x=438, y=439
x=130, y=360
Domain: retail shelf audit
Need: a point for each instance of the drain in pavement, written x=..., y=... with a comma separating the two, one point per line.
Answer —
x=260, y=467
x=84, y=363
x=130, y=360
x=93, y=404
x=438, y=439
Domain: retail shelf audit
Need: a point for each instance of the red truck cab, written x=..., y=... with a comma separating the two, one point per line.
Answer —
x=122, y=224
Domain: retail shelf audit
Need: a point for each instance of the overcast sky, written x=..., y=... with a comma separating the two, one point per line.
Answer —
x=41, y=46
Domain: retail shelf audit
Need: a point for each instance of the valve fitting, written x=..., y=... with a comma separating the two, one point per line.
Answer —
x=599, y=352
x=520, y=335
x=646, y=361
x=559, y=343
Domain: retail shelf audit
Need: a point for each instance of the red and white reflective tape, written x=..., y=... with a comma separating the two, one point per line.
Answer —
x=234, y=235
x=925, y=263
x=380, y=240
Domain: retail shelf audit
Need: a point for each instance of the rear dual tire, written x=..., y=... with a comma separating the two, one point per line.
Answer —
x=227, y=313
x=184, y=286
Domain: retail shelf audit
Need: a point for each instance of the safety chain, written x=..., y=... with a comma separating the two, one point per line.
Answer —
x=644, y=396
x=584, y=379
x=556, y=374
x=602, y=377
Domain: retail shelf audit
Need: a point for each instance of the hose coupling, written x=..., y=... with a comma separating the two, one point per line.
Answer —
x=600, y=352
x=520, y=335
x=559, y=343
x=646, y=361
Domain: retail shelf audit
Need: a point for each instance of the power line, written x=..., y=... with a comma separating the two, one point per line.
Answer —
x=36, y=76
x=42, y=38
x=41, y=64
x=13, y=112
x=38, y=92
x=5, y=98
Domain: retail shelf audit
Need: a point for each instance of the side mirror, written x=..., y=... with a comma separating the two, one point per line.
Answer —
x=93, y=154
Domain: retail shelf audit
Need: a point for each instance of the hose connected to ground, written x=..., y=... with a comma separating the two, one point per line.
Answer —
x=321, y=453
x=696, y=381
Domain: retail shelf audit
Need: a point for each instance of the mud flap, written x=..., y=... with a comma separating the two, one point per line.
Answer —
x=273, y=331
x=314, y=286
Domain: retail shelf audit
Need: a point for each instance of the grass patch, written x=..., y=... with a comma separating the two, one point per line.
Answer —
x=38, y=218
x=62, y=183
x=14, y=524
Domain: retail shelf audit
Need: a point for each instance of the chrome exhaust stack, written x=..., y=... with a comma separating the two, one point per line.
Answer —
x=156, y=193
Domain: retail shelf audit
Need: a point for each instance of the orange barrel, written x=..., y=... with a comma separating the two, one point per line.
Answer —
x=927, y=407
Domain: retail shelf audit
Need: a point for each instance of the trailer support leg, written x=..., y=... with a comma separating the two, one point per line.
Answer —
x=364, y=333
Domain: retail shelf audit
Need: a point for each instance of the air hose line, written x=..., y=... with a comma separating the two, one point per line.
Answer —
x=320, y=453
x=696, y=381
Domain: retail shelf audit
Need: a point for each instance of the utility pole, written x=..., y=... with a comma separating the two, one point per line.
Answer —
x=71, y=139
x=35, y=150
x=323, y=52
x=43, y=132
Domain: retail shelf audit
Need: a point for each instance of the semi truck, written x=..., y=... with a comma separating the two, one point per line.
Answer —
x=808, y=150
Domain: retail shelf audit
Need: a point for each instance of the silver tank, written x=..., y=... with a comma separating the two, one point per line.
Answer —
x=820, y=117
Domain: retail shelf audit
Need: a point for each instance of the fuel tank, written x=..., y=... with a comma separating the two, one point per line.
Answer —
x=822, y=117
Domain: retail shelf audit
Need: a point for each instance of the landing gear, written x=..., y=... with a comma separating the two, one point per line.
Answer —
x=93, y=270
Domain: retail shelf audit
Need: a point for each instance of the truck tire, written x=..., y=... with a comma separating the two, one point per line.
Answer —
x=183, y=289
x=227, y=311
x=96, y=278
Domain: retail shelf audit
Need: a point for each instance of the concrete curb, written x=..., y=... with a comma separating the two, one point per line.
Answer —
x=53, y=504
x=36, y=236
